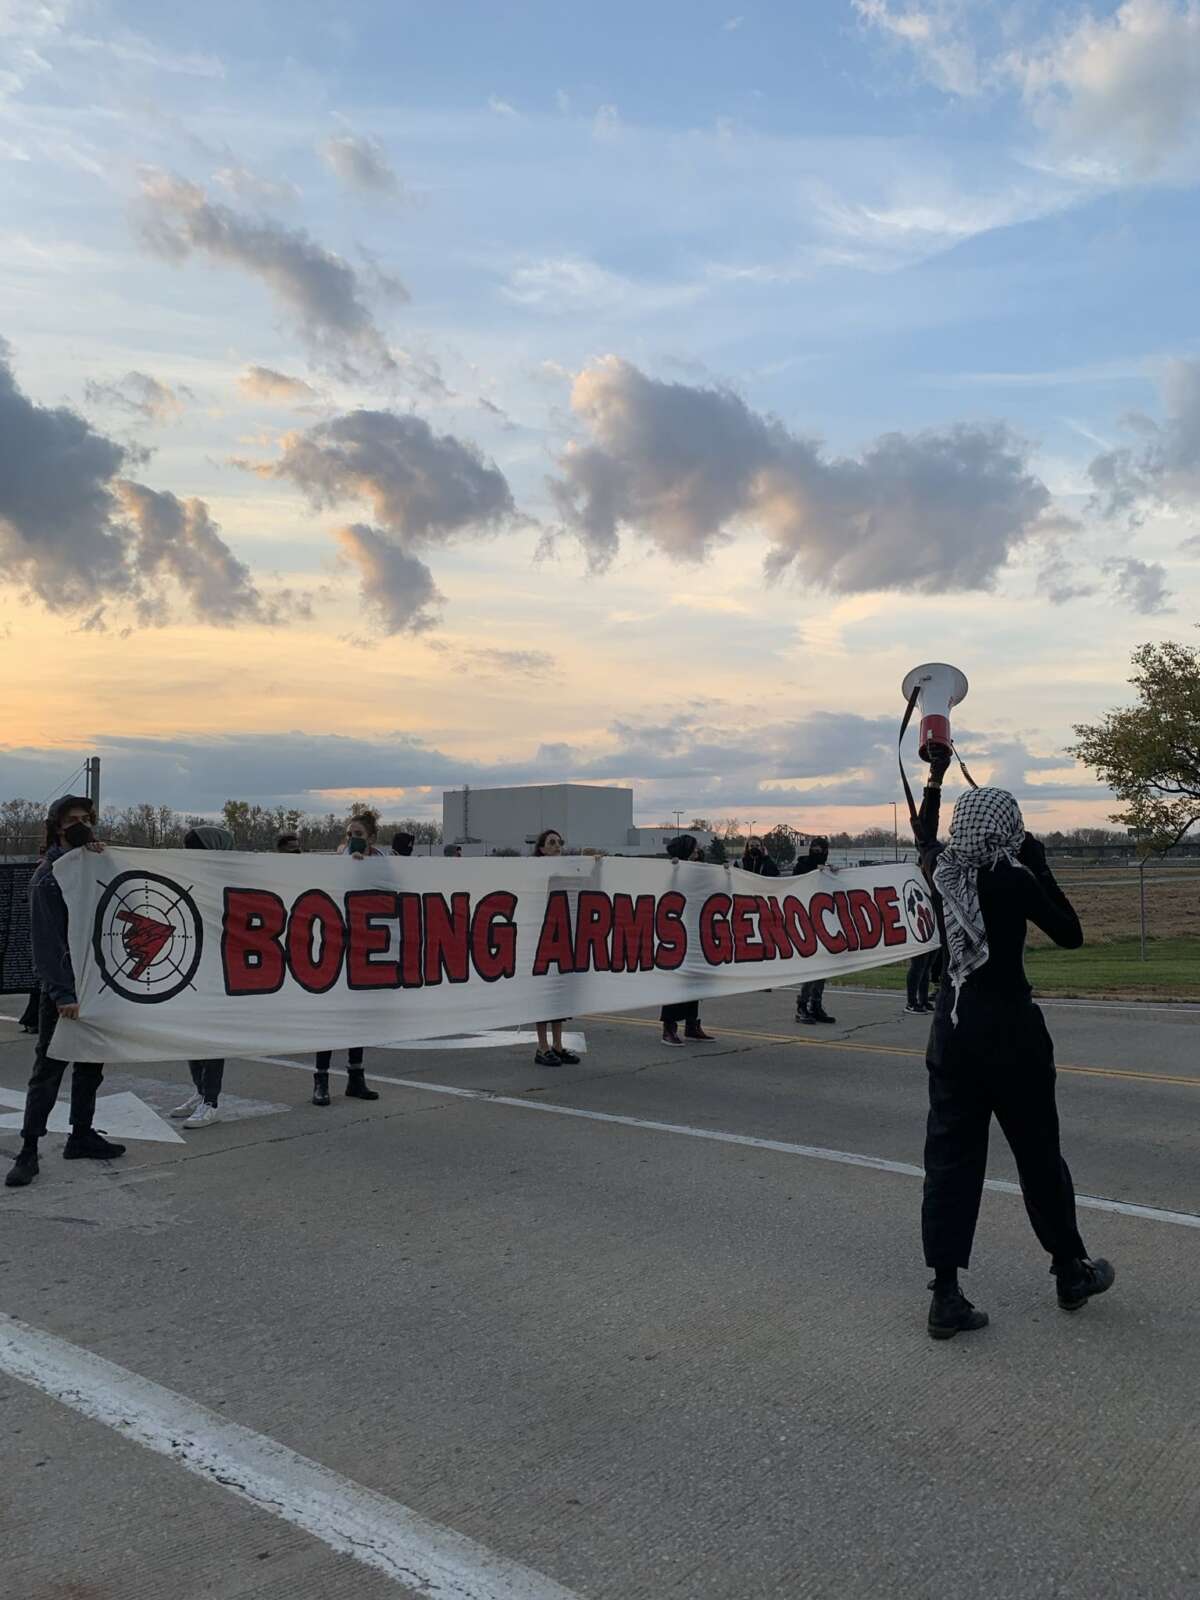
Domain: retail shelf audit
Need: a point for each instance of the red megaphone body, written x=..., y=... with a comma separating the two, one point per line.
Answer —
x=938, y=688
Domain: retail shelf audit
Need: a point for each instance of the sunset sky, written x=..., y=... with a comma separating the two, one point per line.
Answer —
x=401, y=395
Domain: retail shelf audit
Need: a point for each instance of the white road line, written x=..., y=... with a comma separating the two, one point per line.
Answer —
x=347, y=1517
x=1140, y=1007
x=845, y=1158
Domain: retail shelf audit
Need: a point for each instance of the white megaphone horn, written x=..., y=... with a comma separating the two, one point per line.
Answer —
x=938, y=688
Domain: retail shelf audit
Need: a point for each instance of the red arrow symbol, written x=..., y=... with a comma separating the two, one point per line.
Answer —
x=143, y=939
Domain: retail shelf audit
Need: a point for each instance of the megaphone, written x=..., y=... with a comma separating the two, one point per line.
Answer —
x=938, y=688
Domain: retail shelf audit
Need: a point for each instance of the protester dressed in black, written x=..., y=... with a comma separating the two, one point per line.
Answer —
x=990, y=1052
x=201, y=1108
x=810, y=1001
x=68, y=827
x=685, y=847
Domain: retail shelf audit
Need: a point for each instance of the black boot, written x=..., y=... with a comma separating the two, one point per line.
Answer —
x=950, y=1312
x=356, y=1086
x=320, y=1089
x=818, y=1013
x=1079, y=1280
x=25, y=1168
x=87, y=1144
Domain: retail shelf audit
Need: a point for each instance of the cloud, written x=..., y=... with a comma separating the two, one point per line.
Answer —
x=1165, y=470
x=397, y=589
x=490, y=661
x=685, y=466
x=1118, y=97
x=936, y=34
x=1142, y=585
x=502, y=108
x=321, y=292
x=276, y=388
x=256, y=190
x=177, y=539
x=141, y=395
x=732, y=24
x=360, y=163
x=569, y=285
x=58, y=533
x=423, y=486
x=79, y=536
x=827, y=759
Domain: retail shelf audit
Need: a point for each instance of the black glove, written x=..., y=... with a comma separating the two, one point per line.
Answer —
x=1032, y=854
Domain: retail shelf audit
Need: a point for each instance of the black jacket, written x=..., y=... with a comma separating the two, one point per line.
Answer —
x=48, y=923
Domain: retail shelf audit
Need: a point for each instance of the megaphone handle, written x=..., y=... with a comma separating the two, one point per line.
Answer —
x=908, y=794
x=962, y=764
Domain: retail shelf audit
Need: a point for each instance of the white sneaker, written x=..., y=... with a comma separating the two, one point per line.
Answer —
x=202, y=1116
x=188, y=1106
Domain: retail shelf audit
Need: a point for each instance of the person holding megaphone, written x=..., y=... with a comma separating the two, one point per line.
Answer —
x=989, y=1051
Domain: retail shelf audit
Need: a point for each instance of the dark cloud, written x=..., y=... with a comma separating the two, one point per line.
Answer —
x=685, y=465
x=320, y=290
x=822, y=760
x=78, y=536
x=141, y=395
x=58, y=534
x=177, y=539
x=1165, y=470
x=360, y=163
x=276, y=388
x=423, y=486
x=397, y=589
x=1141, y=585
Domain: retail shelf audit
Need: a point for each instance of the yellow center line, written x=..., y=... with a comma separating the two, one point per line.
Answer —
x=884, y=1049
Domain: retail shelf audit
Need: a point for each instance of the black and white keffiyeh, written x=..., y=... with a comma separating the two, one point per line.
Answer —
x=987, y=827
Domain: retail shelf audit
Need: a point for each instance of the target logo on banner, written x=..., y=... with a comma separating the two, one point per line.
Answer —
x=919, y=909
x=147, y=938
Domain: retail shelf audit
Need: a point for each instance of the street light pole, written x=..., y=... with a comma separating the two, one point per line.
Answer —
x=895, y=830
x=678, y=824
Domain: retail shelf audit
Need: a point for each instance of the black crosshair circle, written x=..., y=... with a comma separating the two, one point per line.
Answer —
x=147, y=974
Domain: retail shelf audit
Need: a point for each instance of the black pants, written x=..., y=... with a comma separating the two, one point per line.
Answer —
x=920, y=970
x=999, y=1059
x=29, y=1017
x=208, y=1077
x=685, y=1011
x=47, y=1077
x=353, y=1058
x=811, y=995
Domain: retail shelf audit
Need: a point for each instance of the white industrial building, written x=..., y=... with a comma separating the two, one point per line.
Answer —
x=588, y=816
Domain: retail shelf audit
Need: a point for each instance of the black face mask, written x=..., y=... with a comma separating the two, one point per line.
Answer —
x=76, y=835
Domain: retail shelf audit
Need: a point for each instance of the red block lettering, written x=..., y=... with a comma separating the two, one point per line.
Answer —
x=251, y=953
x=593, y=925
x=447, y=937
x=633, y=933
x=844, y=917
x=772, y=929
x=819, y=907
x=799, y=926
x=888, y=901
x=867, y=919
x=410, y=940
x=716, y=941
x=745, y=946
x=671, y=933
x=554, y=941
x=366, y=940
x=316, y=942
x=494, y=936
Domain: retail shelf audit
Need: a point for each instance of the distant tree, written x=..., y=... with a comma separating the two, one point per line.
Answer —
x=716, y=852
x=780, y=844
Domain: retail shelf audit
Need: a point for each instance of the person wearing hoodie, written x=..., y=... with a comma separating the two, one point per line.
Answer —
x=756, y=859
x=684, y=848
x=199, y=1110
x=69, y=826
x=810, y=1002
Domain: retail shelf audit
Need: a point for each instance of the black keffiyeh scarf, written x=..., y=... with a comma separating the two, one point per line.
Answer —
x=987, y=828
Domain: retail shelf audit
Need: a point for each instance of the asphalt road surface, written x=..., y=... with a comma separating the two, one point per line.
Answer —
x=638, y=1328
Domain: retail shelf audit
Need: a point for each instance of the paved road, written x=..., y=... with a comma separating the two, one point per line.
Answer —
x=631, y=1361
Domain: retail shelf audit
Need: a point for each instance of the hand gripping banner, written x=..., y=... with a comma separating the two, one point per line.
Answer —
x=191, y=953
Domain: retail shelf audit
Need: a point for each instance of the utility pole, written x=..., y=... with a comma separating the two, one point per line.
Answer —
x=678, y=824
x=92, y=768
x=895, y=830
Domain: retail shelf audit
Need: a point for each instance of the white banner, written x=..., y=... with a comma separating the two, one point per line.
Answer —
x=194, y=953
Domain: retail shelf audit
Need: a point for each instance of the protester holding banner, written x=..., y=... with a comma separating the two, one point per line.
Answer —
x=810, y=1002
x=68, y=827
x=551, y=1052
x=200, y=1109
x=288, y=844
x=756, y=859
x=990, y=1053
x=358, y=843
x=684, y=848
